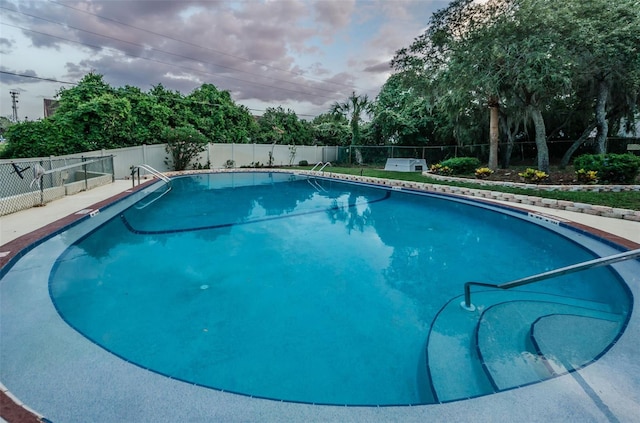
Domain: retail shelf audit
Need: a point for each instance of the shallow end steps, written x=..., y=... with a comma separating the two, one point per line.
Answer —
x=513, y=356
x=568, y=349
x=455, y=370
x=454, y=358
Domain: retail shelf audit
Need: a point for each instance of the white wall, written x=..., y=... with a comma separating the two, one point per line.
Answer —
x=218, y=155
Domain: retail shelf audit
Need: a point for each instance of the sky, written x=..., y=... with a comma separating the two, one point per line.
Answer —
x=303, y=55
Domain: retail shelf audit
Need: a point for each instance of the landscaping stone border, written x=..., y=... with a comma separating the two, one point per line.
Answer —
x=541, y=187
x=605, y=211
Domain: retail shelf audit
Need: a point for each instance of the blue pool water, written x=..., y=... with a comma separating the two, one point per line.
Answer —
x=276, y=286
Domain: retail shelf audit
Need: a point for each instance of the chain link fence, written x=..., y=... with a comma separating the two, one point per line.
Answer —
x=522, y=153
x=35, y=182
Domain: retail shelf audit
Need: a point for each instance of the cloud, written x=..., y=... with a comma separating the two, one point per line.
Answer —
x=334, y=14
x=278, y=52
x=383, y=67
x=6, y=44
x=13, y=76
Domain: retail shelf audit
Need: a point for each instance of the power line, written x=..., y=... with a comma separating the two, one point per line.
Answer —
x=162, y=51
x=199, y=46
x=37, y=77
x=163, y=63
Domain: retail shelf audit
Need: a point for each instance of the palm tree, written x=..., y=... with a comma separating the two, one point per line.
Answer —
x=353, y=109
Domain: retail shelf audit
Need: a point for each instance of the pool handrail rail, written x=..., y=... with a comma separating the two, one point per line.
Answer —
x=316, y=165
x=152, y=171
x=156, y=173
x=590, y=264
x=325, y=165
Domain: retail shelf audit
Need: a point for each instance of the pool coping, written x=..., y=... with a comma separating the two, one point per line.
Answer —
x=23, y=244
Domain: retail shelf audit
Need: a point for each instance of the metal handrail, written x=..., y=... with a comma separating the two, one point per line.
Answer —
x=602, y=261
x=316, y=165
x=152, y=171
x=325, y=165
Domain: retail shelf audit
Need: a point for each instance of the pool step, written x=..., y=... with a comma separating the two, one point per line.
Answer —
x=517, y=340
x=454, y=367
x=463, y=357
x=567, y=350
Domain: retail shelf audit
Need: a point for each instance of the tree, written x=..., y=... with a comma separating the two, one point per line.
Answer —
x=215, y=114
x=284, y=127
x=454, y=56
x=149, y=118
x=331, y=129
x=604, y=43
x=184, y=145
x=353, y=109
x=37, y=139
x=102, y=122
x=495, y=52
x=404, y=113
x=90, y=87
x=5, y=123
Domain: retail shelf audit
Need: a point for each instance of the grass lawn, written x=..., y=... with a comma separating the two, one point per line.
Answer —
x=624, y=200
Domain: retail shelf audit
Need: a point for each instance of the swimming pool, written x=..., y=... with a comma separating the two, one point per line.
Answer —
x=57, y=372
x=278, y=286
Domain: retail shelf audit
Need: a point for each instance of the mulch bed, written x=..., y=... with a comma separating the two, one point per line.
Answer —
x=556, y=177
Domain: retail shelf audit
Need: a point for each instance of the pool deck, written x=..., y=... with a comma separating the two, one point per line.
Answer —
x=94, y=385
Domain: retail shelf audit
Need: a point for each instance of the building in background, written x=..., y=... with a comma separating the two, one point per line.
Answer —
x=50, y=106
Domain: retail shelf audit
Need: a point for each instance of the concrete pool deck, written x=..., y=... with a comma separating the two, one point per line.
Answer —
x=94, y=385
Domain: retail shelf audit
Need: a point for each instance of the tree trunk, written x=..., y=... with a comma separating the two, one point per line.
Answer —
x=601, y=117
x=541, y=138
x=510, y=129
x=494, y=132
x=576, y=144
x=355, y=133
x=506, y=157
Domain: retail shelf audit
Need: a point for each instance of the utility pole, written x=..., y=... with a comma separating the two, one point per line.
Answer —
x=14, y=105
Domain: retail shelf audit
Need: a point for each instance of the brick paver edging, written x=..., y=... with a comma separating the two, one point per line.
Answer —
x=569, y=188
x=605, y=211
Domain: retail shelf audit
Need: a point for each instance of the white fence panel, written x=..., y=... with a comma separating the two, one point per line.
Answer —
x=217, y=154
x=153, y=155
x=329, y=153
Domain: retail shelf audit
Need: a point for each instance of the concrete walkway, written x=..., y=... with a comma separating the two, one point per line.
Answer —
x=15, y=225
x=605, y=391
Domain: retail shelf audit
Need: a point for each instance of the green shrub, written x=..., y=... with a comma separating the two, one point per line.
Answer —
x=438, y=169
x=483, y=172
x=587, y=176
x=184, y=145
x=533, y=175
x=303, y=163
x=611, y=168
x=462, y=165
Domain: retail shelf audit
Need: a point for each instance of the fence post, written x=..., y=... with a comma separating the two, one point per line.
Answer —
x=42, y=181
x=84, y=168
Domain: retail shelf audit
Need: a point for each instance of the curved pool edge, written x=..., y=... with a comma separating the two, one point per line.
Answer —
x=211, y=404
